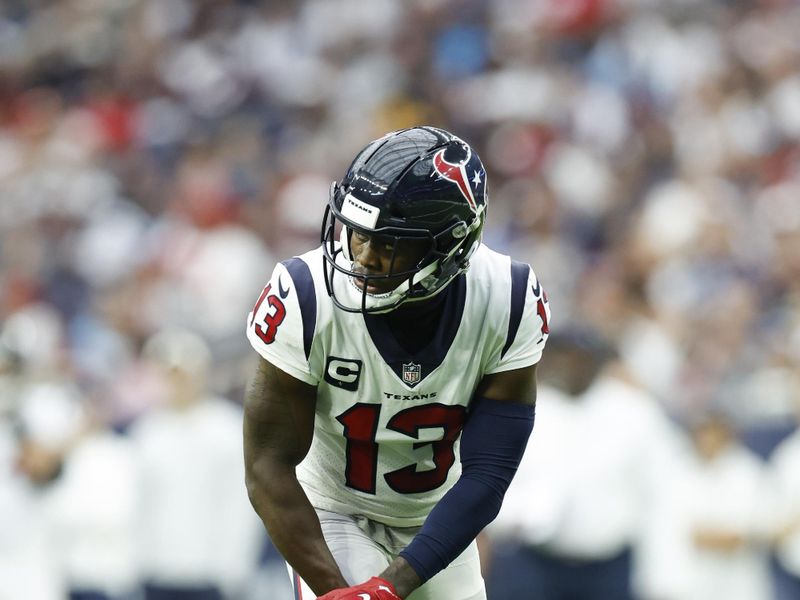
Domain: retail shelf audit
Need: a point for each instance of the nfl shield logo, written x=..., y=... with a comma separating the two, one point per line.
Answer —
x=411, y=373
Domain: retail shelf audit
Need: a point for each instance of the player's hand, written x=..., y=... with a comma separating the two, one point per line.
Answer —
x=374, y=589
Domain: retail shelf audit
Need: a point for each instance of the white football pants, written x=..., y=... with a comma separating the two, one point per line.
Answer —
x=364, y=548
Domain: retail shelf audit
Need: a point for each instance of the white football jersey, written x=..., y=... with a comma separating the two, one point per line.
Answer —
x=388, y=422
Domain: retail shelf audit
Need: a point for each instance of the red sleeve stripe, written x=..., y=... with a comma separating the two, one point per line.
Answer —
x=298, y=586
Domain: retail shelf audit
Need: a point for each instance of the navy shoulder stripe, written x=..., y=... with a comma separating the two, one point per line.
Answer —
x=306, y=295
x=519, y=287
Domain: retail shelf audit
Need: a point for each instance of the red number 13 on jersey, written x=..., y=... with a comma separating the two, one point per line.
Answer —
x=361, y=425
x=272, y=319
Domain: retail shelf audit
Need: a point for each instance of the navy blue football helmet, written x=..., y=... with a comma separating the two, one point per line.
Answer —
x=417, y=184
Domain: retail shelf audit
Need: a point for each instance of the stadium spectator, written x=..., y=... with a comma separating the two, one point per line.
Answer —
x=198, y=538
x=86, y=493
x=715, y=510
x=588, y=484
x=783, y=464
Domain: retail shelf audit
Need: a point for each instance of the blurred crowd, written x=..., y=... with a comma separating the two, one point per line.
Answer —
x=158, y=156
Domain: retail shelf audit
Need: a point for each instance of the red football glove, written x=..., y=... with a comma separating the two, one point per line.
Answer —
x=374, y=589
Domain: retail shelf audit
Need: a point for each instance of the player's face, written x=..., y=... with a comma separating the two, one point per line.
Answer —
x=381, y=256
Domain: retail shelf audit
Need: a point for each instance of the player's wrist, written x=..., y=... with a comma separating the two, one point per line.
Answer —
x=328, y=583
x=402, y=577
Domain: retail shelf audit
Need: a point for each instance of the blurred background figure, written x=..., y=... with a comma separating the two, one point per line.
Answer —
x=81, y=494
x=786, y=478
x=28, y=561
x=198, y=537
x=718, y=509
x=589, y=482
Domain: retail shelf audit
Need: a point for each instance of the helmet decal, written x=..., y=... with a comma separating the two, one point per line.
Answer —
x=359, y=212
x=457, y=173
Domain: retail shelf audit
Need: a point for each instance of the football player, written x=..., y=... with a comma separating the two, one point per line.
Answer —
x=396, y=390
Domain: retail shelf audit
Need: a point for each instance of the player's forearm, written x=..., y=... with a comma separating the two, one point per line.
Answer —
x=492, y=444
x=294, y=528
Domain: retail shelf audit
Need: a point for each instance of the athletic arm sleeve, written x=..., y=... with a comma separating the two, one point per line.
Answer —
x=492, y=445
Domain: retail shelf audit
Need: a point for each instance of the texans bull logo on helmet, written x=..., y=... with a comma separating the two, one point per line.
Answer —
x=457, y=173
